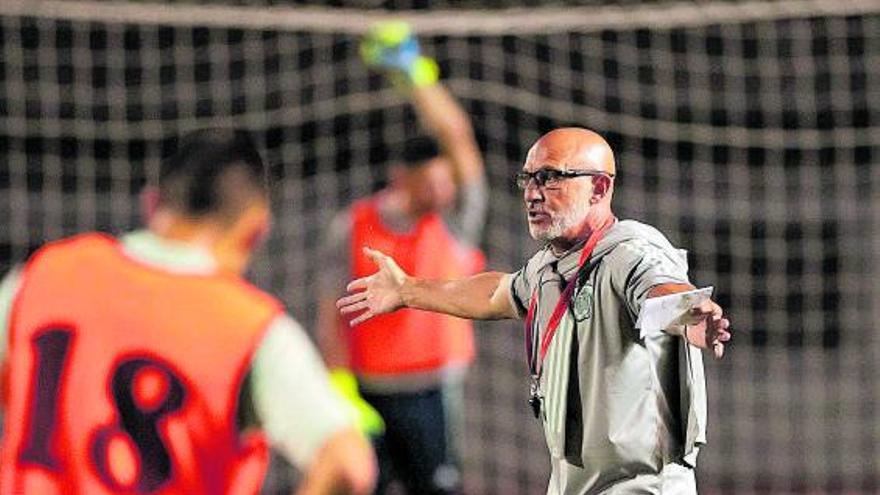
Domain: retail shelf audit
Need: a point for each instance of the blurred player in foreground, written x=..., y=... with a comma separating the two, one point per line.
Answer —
x=134, y=365
x=623, y=409
x=410, y=366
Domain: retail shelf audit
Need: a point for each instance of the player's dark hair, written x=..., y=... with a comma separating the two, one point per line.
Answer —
x=419, y=149
x=210, y=171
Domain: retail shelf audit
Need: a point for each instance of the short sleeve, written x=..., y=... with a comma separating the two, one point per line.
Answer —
x=638, y=265
x=297, y=406
x=518, y=289
x=522, y=283
x=467, y=220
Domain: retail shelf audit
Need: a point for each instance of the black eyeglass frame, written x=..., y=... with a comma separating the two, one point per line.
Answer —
x=553, y=176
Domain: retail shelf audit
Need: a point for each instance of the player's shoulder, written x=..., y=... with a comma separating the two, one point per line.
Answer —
x=249, y=293
x=81, y=240
x=634, y=229
x=631, y=238
x=73, y=246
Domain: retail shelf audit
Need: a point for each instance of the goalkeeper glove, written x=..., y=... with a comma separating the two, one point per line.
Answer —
x=391, y=47
x=367, y=419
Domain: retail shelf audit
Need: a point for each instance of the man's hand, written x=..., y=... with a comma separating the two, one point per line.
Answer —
x=707, y=328
x=391, y=47
x=376, y=294
x=366, y=417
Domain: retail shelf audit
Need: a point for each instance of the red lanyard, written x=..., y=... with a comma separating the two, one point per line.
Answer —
x=537, y=362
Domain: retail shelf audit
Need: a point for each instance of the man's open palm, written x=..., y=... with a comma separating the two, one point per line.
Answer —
x=376, y=294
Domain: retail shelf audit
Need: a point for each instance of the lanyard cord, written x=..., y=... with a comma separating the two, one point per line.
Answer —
x=536, y=360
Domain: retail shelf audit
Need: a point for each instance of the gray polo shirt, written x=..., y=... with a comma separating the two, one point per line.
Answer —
x=615, y=405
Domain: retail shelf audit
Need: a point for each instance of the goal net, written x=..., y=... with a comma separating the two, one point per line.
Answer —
x=748, y=132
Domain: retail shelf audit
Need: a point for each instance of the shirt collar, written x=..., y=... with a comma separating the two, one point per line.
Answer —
x=181, y=257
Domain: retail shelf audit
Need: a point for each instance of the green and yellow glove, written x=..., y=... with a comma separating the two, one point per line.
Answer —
x=392, y=48
x=367, y=419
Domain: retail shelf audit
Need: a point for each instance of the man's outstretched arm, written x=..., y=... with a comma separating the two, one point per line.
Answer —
x=485, y=296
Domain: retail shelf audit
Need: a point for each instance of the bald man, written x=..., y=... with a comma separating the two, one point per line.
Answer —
x=623, y=410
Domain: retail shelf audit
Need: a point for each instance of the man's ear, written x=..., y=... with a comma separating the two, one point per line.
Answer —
x=601, y=188
x=234, y=248
x=149, y=199
x=252, y=229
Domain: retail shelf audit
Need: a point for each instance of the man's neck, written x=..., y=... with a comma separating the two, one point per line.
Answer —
x=399, y=202
x=148, y=247
x=178, y=229
x=563, y=244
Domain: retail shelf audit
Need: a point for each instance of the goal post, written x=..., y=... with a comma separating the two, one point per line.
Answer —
x=747, y=131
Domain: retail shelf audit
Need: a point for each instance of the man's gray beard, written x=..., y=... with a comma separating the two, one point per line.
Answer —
x=564, y=222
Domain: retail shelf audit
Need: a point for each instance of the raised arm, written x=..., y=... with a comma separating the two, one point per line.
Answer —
x=485, y=296
x=392, y=48
x=442, y=115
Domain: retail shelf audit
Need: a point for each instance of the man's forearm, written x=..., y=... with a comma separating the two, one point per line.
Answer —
x=695, y=332
x=665, y=290
x=442, y=115
x=480, y=297
x=333, y=347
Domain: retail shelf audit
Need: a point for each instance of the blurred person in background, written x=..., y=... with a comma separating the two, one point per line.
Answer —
x=148, y=364
x=623, y=408
x=409, y=366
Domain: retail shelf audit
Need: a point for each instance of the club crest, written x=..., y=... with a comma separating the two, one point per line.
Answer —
x=582, y=306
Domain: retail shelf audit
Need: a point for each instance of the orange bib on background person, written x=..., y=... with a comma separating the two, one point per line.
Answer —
x=123, y=378
x=409, y=341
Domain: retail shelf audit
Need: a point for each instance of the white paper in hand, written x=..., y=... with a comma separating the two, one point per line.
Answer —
x=659, y=313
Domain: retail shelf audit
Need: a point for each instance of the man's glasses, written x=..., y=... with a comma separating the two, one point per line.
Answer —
x=550, y=177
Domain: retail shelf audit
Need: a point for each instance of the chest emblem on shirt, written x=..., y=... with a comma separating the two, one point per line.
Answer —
x=582, y=306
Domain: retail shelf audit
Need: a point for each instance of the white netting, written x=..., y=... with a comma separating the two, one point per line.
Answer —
x=746, y=131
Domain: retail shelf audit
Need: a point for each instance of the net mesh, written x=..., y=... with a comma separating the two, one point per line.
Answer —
x=751, y=142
